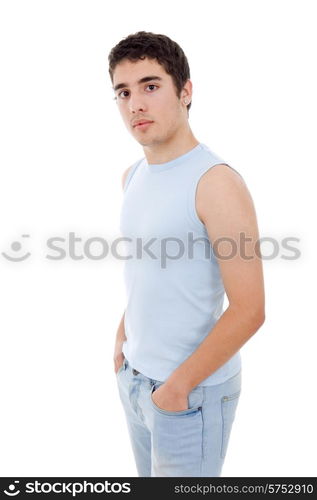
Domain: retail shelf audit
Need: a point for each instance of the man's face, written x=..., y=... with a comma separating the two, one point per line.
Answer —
x=154, y=100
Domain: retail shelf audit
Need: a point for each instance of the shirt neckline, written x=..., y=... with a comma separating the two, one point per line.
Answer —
x=159, y=167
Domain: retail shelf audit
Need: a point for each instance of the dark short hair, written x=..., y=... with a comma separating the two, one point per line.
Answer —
x=154, y=46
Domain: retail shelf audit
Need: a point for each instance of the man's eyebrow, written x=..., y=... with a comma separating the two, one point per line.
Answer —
x=142, y=80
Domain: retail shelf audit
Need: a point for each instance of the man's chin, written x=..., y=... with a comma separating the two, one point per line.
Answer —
x=146, y=143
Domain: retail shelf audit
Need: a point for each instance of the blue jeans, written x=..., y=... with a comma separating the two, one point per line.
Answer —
x=191, y=442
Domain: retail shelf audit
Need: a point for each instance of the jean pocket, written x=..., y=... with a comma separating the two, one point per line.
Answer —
x=228, y=410
x=177, y=438
x=194, y=406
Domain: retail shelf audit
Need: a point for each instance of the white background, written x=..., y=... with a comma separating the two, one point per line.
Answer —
x=63, y=150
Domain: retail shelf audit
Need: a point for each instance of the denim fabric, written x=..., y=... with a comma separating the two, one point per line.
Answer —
x=191, y=442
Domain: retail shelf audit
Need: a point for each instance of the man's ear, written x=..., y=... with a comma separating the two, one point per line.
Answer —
x=187, y=91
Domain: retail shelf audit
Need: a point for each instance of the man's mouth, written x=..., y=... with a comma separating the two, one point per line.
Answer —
x=142, y=124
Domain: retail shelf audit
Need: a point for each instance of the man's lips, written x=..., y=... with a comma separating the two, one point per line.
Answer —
x=142, y=123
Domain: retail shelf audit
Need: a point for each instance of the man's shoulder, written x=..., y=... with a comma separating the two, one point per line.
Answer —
x=217, y=177
x=219, y=184
x=225, y=171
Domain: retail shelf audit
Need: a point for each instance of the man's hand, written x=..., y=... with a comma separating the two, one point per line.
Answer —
x=166, y=398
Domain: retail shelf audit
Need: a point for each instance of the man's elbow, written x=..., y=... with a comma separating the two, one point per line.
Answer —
x=252, y=315
x=258, y=317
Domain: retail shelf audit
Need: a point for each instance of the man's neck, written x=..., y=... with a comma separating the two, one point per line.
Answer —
x=169, y=150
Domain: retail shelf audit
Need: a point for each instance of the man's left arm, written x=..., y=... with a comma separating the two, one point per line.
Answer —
x=225, y=206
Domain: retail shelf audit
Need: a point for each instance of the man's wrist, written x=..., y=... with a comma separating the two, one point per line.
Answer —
x=178, y=385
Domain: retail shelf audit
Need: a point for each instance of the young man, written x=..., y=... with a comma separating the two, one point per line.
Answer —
x=192, y=229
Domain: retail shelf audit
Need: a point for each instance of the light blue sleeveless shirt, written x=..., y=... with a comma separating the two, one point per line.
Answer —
x=173, y=283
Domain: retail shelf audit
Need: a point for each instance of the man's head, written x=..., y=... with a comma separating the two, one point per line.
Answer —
x=163, y=100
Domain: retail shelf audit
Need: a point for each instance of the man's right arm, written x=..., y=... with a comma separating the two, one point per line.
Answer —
x=118, y=356
x=120, y=337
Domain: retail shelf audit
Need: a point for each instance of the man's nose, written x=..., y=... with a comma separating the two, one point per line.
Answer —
x=136, y=104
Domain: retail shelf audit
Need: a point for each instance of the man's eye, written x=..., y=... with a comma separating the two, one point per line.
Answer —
x=152, y=85
x=119, y=95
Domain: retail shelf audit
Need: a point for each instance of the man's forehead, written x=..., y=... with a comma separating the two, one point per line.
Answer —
x=132, y=71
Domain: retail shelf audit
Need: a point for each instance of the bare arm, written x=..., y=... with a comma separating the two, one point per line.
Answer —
x=118, y=356
x=225, y=206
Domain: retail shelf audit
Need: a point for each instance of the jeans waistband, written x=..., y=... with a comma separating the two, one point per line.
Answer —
x=126, y=365
x=135, y=372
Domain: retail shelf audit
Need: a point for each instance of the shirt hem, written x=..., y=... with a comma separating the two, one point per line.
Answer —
x=212, y=381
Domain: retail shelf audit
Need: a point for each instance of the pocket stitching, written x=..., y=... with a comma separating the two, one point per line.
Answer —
x=224, y=443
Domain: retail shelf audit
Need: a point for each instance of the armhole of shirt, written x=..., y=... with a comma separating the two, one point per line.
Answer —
x=193, y=191
x=130, y=174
